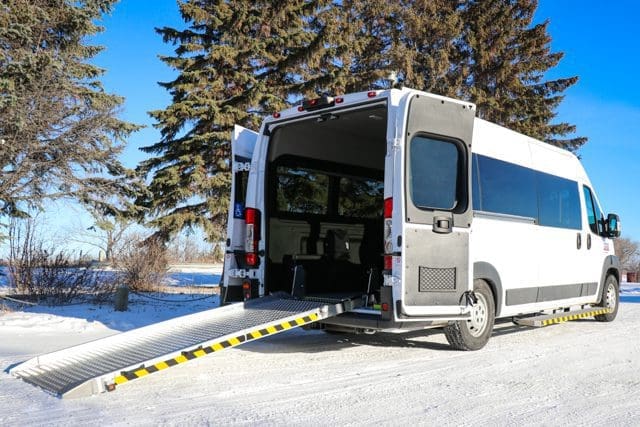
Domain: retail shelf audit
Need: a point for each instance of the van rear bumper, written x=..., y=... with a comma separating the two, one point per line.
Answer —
x=433, y=312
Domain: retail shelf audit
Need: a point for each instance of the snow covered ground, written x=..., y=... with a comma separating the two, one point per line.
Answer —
x=582, y=372
x=178, y=275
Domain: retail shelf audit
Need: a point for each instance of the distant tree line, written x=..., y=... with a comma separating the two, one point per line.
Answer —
x=235, y=61
x=628, y=252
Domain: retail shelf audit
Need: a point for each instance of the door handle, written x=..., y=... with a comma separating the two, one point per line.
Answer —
x=579, y=241
x=442, y=224
x=588, y=241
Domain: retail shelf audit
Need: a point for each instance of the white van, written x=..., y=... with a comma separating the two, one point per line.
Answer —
x=419, y=214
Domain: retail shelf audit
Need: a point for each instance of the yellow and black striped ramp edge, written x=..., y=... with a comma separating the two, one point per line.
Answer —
x=553, y=319
x=200, y=351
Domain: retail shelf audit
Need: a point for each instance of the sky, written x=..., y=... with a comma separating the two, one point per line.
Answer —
x=599, y=40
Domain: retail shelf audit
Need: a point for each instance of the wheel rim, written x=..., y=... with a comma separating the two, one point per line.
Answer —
x=478, y=322
x=611, y=299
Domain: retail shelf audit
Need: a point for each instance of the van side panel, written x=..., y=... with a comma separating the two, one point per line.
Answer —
x=553, y=260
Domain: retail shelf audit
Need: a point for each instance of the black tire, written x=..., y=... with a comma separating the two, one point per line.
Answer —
x=610, y=299
x=474, y=333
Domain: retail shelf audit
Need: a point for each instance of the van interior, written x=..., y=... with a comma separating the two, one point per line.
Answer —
x=325, y=190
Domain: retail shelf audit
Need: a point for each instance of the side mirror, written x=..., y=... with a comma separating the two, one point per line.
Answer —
x=613, y=226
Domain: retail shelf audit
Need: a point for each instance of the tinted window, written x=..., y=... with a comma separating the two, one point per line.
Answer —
x=301, y=191
x=475, y=183
x=434, y=173
x=507, y=188
x=594, y=215
x=559, y=202
x=360, y=197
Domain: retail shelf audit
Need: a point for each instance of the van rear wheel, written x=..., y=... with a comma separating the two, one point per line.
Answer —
x=610, y=299
x=474, y=333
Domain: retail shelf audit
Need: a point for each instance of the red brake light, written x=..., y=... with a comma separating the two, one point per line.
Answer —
x=252, y=236
x=388, y=207
x=388, y=262
x=317, y=103
x=388, y=243
x=251, y=259
x=250, y=215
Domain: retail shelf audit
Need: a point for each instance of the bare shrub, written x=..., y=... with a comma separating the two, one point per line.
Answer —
x=218, y=253
x=141, y=263
x=191, y=248
x=47, y=275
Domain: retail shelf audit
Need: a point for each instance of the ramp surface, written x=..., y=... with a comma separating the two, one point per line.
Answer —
x=103, y=364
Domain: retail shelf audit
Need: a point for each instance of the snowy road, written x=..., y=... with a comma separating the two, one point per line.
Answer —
x=578, y=373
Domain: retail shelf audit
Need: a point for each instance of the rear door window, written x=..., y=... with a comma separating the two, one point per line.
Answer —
x=434, y=173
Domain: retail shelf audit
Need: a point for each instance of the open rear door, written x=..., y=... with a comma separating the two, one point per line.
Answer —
x=438, y=207
x=243, y=142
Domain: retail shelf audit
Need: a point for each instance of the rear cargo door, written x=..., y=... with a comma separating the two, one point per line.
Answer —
x=243, y=142
x=438, y=211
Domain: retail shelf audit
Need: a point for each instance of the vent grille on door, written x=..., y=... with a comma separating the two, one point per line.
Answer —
x=437, y=279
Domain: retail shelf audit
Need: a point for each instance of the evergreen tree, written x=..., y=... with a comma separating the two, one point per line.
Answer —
x=237, y=61
x=504, y=58
x=59, y=131
x=412, y=38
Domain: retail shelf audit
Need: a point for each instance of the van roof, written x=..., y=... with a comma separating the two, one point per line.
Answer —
x=488, y=138
x=496, y=141
x=360, y=97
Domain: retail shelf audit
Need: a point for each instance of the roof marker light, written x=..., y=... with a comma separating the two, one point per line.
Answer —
x=371, y=94
x=276, y=115
x=300, y=108
x=339, y=100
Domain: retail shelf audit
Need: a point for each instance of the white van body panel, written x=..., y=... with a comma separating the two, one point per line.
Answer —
x=525, y=254
x=532, y=262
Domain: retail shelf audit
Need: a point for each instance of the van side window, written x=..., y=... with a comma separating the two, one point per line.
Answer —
x=559, y=202
x=507, y=188
x=435, y=168
x=594, y=215
x=476, y=194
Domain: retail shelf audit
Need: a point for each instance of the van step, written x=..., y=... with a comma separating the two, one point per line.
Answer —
x=552, y=319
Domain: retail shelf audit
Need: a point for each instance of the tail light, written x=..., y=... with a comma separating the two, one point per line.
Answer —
x=252, y=221
x=246, y=290
x=388, y=244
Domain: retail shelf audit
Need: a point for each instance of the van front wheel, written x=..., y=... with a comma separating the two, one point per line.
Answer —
x=473, y=333
x=610, y=299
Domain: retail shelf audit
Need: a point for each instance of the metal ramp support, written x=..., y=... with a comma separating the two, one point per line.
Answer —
x=552, y=319
x=103, y=364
